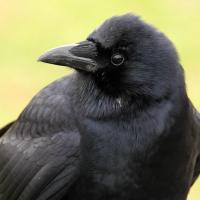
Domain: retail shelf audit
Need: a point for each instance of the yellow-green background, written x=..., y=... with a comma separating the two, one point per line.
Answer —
x=29, y=27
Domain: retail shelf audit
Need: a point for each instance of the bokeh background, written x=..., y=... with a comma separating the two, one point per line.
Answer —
x=28, y=28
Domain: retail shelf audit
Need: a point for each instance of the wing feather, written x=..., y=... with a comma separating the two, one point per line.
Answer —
x=39, y=152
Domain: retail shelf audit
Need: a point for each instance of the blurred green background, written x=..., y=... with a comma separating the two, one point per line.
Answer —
x=28, y=28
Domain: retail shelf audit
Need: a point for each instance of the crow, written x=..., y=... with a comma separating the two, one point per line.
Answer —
x=121, y=127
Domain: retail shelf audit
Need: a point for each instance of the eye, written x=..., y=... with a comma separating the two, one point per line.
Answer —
x=117, y=59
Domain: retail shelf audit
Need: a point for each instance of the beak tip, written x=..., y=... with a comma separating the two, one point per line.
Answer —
x=39, y=60
x=42, y=58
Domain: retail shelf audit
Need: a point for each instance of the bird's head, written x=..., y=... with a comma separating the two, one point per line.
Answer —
x=124, y=56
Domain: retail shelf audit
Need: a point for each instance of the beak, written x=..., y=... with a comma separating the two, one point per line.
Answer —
x=78, y=56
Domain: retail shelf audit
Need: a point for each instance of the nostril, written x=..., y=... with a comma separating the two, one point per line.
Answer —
x=85, y=49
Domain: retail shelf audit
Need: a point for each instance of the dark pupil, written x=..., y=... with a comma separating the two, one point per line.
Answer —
x=117, y=59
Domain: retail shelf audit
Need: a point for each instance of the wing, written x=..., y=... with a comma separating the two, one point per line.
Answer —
x=5, y=128
x=196, y=130
x=196, y=170
x=39, y=154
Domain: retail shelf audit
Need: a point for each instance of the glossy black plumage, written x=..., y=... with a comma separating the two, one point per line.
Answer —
x=116, y=129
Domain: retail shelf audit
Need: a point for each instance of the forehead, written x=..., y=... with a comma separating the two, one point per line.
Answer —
x=116, y=29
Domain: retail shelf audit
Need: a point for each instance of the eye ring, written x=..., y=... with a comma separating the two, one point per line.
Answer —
x=117, y=59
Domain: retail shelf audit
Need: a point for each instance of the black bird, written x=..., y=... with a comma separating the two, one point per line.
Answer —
x=120, y=128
